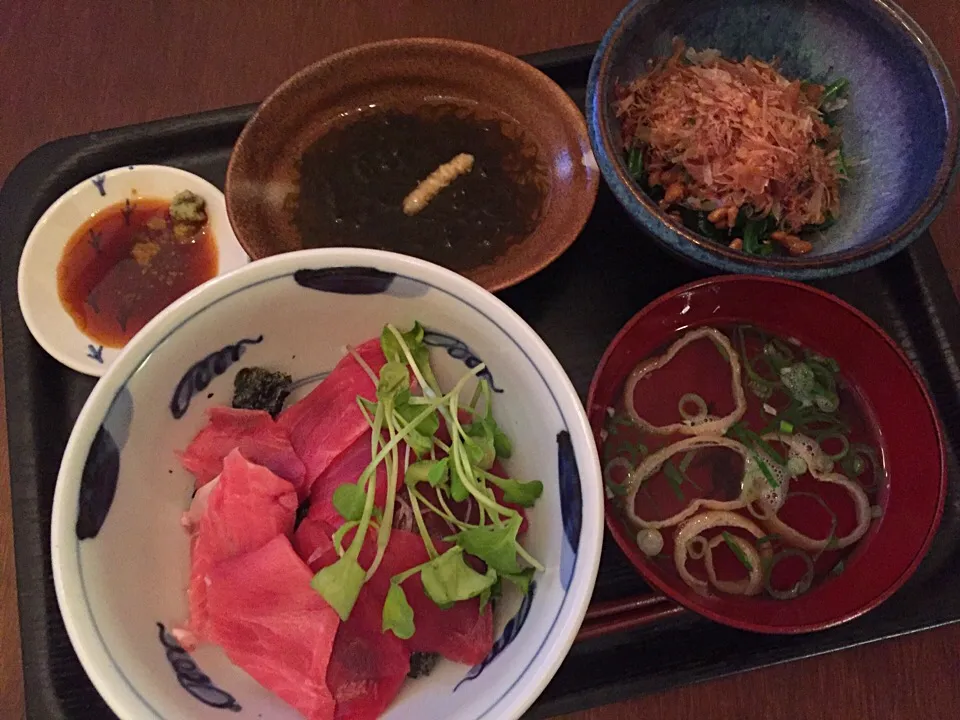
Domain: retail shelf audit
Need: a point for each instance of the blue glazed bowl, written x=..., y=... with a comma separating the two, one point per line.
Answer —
x=900, y=126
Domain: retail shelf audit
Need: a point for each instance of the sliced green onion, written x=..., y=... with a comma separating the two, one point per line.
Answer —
x=692, y=399
x=786, y=427
x=855, y=465
x=833, y=435
x=735, y=549
x=801, y=586
x=750, y=438
x=768, y=476
x=753, y=235
x=842, y=168
x=635, y=163
x=796, y=466
x=833, y=90
x=674, y=478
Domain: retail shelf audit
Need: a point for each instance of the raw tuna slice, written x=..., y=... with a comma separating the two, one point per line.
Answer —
x=254, y=432
x=367, y=667
x=328, y=420
x=346, y=468
x=313, y=541
x=271, y=623
x=248, y=507
x=460, y=633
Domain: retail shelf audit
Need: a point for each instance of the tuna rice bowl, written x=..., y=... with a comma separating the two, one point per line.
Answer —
x=375, y=512
x=339, y=483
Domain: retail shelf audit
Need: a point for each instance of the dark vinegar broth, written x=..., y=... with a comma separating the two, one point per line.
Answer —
x=354, y=178
x=126, y=264
x=715, y=472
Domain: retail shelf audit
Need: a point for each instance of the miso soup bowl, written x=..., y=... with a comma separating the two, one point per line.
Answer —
x=911, y=497
x=121, y=560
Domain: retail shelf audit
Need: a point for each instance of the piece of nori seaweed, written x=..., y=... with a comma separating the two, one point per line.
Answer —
x=422, y=664
x=257, y=388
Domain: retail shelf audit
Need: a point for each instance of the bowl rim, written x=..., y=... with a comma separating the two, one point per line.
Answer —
x=81, y=626
x=617, y=527
x=679, y=239
x=518, y=67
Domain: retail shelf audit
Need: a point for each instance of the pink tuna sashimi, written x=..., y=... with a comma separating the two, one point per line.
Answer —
x=248, y=507
x=328, y=420
x=270, y=622
x=460, y=633
x=254, y=432
x=367, y=667
x=347, y=468
x=313, y=541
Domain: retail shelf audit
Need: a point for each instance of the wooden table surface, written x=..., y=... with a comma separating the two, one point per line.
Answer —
x=73, y=67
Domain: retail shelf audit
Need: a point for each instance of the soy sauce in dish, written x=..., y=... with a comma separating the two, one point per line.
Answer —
x=132, y=259
x=354, y=178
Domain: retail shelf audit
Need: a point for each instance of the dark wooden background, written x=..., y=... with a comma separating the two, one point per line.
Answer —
x=72, y=66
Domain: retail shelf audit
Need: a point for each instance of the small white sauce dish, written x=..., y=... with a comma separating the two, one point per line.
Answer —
x=49, y=322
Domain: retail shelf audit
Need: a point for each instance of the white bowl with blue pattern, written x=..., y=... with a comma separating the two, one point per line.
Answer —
x=121, y=559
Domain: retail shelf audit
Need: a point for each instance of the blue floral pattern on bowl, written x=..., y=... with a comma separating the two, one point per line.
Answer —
x=198, y=377
x=192, y=678
x=459, y=350
x=510, y=633
x=98, y=483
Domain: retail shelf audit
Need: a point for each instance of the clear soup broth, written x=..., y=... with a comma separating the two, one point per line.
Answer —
x=744, y=462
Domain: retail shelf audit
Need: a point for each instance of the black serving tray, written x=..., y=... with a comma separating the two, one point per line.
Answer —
x=577, y=305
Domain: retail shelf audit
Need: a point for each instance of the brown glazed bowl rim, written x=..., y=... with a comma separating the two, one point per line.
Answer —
x=507, y=269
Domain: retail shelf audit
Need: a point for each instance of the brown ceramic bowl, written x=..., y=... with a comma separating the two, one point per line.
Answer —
x=404, y=74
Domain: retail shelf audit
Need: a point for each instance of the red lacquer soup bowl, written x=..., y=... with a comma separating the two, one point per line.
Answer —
x=893, y=406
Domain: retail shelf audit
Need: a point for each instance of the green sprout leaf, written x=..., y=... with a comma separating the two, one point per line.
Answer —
x=635, y=163
x=521, y=579
x=458, y=490
x=524, y=494
x=481, y=451
x=427, y=427
x=448, y=578
x=349, y=499
x=434, y=472
x=421, y=437
x=339, y=584
x=421, y=356
x=502, y=444
x=391, y=346
x=490, y=594
x=341, y=533
x=496, y=546
x=438, y=474
x=397, y=613
x=394, y=377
